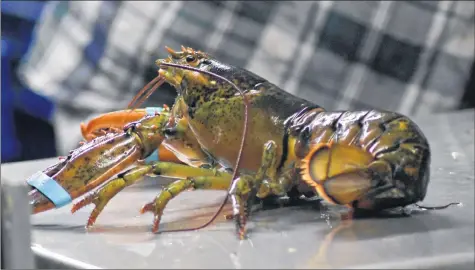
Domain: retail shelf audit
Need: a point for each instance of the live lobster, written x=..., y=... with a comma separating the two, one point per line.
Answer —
x=368, y=160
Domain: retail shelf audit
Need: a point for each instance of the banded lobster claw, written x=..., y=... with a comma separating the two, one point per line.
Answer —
x=102, y=157
x=116, y=122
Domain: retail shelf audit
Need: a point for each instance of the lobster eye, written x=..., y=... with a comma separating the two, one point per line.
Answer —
x=190, y=58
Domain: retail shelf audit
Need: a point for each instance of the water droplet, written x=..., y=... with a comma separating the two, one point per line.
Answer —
x=455, y=155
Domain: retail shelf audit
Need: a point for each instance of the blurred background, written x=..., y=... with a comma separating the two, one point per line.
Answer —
x=65, y=62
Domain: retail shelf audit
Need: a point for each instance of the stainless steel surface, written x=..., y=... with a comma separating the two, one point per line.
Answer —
x=294, y=237
x=46, y=259
x=16, y=226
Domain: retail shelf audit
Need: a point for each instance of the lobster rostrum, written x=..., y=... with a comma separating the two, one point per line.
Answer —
x=366, y=160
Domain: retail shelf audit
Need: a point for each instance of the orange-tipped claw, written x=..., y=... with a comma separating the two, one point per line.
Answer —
x=91, y=198
x=150, y=207
x=113, y=120
x=147, y=208
x=96, y=162
x=83, y=202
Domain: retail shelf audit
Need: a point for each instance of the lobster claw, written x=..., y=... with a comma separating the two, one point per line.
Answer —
x=116, y=121
x=113, y=121
x=120, y=120
x=101, y=158
x=83, y=170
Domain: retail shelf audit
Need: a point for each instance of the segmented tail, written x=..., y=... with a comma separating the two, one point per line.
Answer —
x=337, y=172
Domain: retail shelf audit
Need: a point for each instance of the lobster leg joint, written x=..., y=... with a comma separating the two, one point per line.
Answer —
x=205, y=179
x=174, y=189
x=246, y=188
x=101, y=197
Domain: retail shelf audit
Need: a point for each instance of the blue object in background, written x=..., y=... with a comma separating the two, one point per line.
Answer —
x=10, y=145
x=18, y=22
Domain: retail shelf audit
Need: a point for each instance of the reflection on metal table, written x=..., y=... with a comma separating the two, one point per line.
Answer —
x=290, y=237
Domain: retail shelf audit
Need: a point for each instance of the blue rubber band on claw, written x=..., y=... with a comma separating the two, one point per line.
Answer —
x=50, y=188
x=153, y=157
x=153, y=110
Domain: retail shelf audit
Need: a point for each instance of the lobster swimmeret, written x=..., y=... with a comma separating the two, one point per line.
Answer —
x=367, y=160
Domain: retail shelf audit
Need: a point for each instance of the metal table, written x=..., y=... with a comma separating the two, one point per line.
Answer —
x=293, y=237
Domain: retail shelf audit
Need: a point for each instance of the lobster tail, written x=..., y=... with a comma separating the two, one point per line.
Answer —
x=337, y=172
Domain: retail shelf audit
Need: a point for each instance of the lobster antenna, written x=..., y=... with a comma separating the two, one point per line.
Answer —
x=156, y=82
x=243, y=140
x=148, y=93
x=136, y=102
x=422, y=207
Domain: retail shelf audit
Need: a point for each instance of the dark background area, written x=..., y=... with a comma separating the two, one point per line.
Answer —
x=27, y=132
x=468, y=100
x=30, y=115
x=38, y=139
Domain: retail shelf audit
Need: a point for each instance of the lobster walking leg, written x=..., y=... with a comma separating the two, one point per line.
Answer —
x=263, y=184
x=245, y=189
x=174, y=189
x=101, y=197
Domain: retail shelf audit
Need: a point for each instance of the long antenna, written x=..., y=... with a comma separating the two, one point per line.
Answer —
x=243, y=140
x=155, y=83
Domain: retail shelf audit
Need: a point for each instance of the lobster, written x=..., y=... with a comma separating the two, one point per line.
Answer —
x=369, y=160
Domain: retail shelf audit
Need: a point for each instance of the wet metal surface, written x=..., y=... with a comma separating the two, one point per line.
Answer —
x=293, y=237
